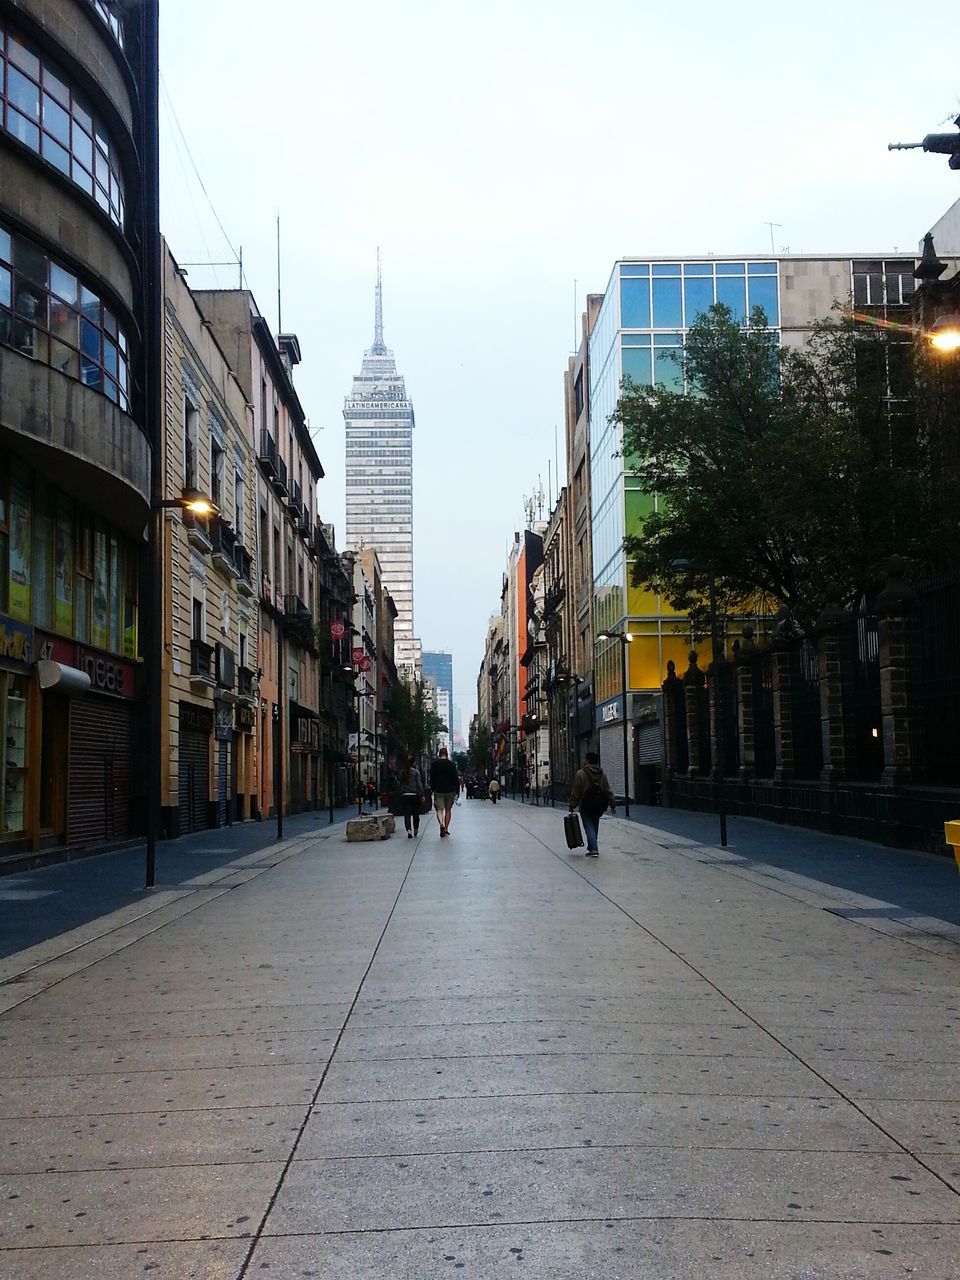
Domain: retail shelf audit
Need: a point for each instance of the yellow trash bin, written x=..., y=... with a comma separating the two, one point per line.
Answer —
x=951, y=832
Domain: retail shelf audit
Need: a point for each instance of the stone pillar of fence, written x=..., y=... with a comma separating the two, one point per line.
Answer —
x=893, y=607
x=693, y=682
x=671, y=729
x=781, y=673
x=745, y=653
x=831, y=688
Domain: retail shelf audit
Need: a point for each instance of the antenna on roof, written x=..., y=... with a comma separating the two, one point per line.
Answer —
x=279, y=311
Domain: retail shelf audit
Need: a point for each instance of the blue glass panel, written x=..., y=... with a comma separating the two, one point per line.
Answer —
x=635, y=304
x=635, y=339
x=732, y=293
x=730, y=268
x=666, y=304
x=698, y=297
x=761, y=268
x=667, y=370
x=628, y=269
x=636, y=365
x=763, y=293
x=698, y=269
x=666, y=268
x=668, y=339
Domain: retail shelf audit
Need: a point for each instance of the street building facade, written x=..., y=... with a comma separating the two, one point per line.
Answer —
x=75, y=452
x=438, y=665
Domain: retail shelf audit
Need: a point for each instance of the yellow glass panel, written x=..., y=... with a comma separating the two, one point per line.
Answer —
x=677, y=648
x=644, y=672
x=642, y=603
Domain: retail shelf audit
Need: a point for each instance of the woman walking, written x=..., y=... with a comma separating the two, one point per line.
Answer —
x=411, y=797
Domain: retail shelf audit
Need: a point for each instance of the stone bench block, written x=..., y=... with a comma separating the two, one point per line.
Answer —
x=369, y=828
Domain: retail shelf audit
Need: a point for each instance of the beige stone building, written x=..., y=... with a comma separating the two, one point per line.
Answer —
x=210, y=622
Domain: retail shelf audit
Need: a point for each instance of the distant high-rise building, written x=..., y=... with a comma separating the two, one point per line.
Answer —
x=379, y=477
x=438, y=666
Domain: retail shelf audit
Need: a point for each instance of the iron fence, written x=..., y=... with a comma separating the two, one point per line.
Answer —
x=933, y=631
x=860, y=676
x=807, y=734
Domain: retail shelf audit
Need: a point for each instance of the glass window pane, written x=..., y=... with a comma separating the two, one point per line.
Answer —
x=636, y=365
x=761, y=268
x=55, y=87
x=82, y=178
x=731, y=292
x=667, y=370
x=30, y=261
x=110, y=357
x=83, y=146
x=763, y=293
x=666, y=268
x=698, y=298
x=698, y=269
x=64, y=322
x=635, y=304
x=23, y=93
x=666, y=304
x=64, y=358
x=18, y=52
x=110, y=322
x=629, y=269
x=82, y=116
x=5, y=246
x=21, y=128
x=57, y=155
x=103, y=200
x=860, y=289
x=63, y=284
x=4, y=287
x=55, y=120
x=730, y=268
x=89, y=304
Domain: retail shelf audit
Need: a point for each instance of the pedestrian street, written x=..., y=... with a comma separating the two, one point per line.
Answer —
x=490, y=1055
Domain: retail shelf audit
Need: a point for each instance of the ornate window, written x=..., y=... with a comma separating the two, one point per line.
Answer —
x=48, y=314
x=39, y=107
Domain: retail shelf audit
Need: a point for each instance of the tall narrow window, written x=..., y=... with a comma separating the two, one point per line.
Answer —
x=239, y=504
x=197, y=623
x=191, y=443
x=216, y=477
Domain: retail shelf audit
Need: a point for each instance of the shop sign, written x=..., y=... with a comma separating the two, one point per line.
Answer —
x=337, y=630
x=16, y=642
x=610, y=712
x=54, y=649
x=245, y=719
x=359, y=654
x=197, y=718
x=107, y=674
x=224, y=722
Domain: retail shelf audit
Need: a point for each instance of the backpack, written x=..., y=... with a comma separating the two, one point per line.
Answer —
x=594, y=799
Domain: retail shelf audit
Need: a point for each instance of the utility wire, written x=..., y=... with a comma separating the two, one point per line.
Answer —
x=189, y=187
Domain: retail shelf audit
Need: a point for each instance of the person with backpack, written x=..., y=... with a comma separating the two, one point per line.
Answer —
x=591, y=793
x=411, y=797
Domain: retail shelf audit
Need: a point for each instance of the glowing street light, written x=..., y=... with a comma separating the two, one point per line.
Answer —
x=944, y=334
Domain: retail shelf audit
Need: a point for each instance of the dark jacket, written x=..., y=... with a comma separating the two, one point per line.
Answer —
x=584, y=780
x=444, y=776
x=412, y=784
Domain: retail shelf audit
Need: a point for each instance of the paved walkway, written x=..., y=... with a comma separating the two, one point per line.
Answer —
x=488, y=1055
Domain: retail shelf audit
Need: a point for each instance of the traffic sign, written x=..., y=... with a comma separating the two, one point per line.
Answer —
x=337, y=630
x=358, y=655
x=364, y=663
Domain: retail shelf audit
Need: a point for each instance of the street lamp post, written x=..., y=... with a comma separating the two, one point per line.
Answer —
x=720, y=792
x=624, y=637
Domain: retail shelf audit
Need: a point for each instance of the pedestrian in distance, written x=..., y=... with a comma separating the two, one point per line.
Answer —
x=372, y=794
x=591, y=793
x=445, y=782
x=494, y=790
x=411, y=797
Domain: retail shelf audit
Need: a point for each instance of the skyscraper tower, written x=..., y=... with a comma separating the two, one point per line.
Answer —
x=379, y=475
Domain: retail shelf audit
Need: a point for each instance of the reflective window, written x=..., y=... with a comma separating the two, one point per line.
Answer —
x=38, y=107
x=732, y=292
x=697, y=298
x=763, y=293
x=635, y=304
x=667, y=312
x=46, y=313
x=666, y=268
x=878, y=283
x=636, y=365
x=109, y=13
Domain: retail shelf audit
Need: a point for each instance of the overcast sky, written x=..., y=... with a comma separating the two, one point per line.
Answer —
x=498, y=152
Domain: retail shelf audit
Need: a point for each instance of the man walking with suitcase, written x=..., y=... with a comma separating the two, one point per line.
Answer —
x=591, y=793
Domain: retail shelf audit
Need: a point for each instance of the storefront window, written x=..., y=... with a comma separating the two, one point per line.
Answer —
x=101, y=590
x=19, y=580
x=13, y=726
x=64, y=568
x=42, y=560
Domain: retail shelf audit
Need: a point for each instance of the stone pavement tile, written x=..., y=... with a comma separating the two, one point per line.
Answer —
x=238, y=1018
x=821, y=1010
x=655, y=1006
x=925, y=1127
x=901, y=1081
x=520, y=1074
x=366, y=1044
x=151, y=1140
x=385, y=1193
x=130, y=1205
x=612, y=1250
x=876, y=1043
x=116, y=1094
x=208, y=1260
x=167, y=1053
x=587, y=1120
x=139, y=995
x=495, y=982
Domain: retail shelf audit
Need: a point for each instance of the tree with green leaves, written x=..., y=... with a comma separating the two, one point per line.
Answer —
x=414, y=724
x=479, y=748
x=778, y=471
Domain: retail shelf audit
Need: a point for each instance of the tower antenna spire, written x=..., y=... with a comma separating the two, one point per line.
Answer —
x=378, y=343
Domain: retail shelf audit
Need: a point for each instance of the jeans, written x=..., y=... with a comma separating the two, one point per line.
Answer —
x=591, y=827
x=411, y=810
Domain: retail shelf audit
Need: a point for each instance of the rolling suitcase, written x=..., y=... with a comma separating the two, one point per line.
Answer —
x=572, y=830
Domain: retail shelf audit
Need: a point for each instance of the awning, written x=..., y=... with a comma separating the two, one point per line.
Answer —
x=61, y=679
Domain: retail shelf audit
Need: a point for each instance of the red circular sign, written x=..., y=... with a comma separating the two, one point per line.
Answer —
x=337, y=630
x=359, y=655
x=364, y=663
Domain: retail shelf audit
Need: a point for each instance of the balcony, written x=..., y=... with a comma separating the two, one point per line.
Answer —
x=243, y=562
x=296, y=496
x=223, y=547
x=266, y=591
x=268, y=455
x=298, y=623
x=225, y=672
x=280, y=477
x=203, y=668
x=198, y=532
x=245, y=682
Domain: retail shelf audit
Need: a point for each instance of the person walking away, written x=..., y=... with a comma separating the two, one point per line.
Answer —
x=372, y=798
x=445, y=782
x=591, y=793
x=411, y=797
x=494, y=790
